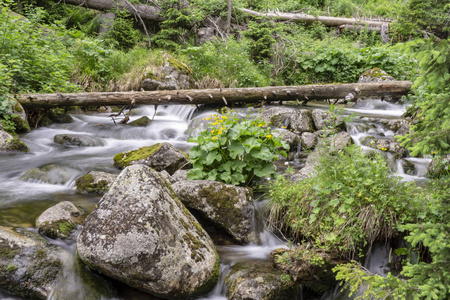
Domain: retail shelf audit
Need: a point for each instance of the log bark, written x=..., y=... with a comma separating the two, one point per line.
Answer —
x=146, y=12
x=330, y=21
x=224, y=96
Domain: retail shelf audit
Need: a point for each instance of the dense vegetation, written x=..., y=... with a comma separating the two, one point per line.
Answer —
x=352, y=201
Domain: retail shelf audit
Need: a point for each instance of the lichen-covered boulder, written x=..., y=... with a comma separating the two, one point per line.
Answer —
x=277, y=116
x=227, y=206
x=388, y=145
x=10, y=143
x=78, y=140
x=161, y=156
x=320, y=118
x=309, y=140
x=336, y=142
x=179, y=175
x=52, y=174
x=60, y=220
x=141, y=234
x=141, y=122
x=29, y=266
x=95, y=182
x=258, y=280
x=301, y=121
x=318, y=277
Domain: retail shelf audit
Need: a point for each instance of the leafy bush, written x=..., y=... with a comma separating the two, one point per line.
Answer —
x=122, y=34
x=234, y=150
x=349, y=203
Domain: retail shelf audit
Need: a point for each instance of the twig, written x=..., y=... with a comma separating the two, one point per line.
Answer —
x=142, y=22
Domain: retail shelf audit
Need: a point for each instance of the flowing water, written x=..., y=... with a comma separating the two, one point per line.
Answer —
x=22, y=201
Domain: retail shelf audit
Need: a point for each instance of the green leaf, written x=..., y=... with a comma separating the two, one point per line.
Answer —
x=235, y=149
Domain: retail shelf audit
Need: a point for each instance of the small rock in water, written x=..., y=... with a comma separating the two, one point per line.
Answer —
x=95, y=182
x=60, y=220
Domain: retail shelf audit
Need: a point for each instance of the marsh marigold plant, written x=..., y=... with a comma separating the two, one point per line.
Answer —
x=234, y=150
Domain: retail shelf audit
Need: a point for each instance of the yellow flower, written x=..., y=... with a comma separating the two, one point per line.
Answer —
x=224, y=117
x=215, y=123
x=268, y=136
x=213, y=131
x=219, y=132
x=208, y=118
x=223, y=128
x=260, y=125
x=214, y=138
x=284, y=127
x=220, y=121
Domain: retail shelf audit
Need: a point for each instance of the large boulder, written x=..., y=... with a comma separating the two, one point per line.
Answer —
x=309, y=140
x=10, y=143
x=375, y=75
x=60, y=220
x=161, y=156
x=78, y=140
x=95, y=182
x=258, y=280
x=141, y=234
x=227, y=206
x=301, y=121
x=29, y=266
x=320, y=118
x=19, y=117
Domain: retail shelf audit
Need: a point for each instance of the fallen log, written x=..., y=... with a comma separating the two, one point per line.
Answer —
x=224, y=96
x=301, y=17
x=146, y=12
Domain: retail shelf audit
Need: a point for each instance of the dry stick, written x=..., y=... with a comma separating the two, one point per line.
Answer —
x=142, y=22
x=217, y=28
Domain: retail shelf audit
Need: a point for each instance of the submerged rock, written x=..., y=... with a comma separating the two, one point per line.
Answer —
x=29, y=265
x=52, y=174
x=141, y=234
x=78, y=140
x=95, y=182
x=227, y=206
x=60, y=220
x=10, y=143
x=258, y=280
x=161, y=156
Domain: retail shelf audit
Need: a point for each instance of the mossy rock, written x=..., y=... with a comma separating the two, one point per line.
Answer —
x=161, y=156
x=11, y=143
x=141, y=122
x=95, y=182
x=179, y=65
x=59, y=115
x=29, y=265
x=60, y=220
x=375, y=75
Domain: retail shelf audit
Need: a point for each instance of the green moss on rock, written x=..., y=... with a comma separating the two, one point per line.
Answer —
x=141, y=122
x=124, y=159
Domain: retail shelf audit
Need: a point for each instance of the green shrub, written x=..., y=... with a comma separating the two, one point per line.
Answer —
x=235, y=151
x=122, y=34
x=350, y=202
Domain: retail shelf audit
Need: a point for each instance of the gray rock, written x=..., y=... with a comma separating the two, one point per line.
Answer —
x=320, y=118
x=19, y=117
x=205, y=34
x=277, y=116
x=95, y=182
x=258, y=280
x=142, y=235
x=78, y=140
x=52, y=174
x=161, y=156
x=309, y=140
x=29, y=265
x=309, y=168
x=168, y=133
x=227, y=206
x=339, y=141
x=408, y=167
x=60, y=220
x=157, y=85
x=179, y=175
x=292, y=139
x=301, y=121
x=106, y=21
x=404, y=129
x=59, y=115
x=10, y=143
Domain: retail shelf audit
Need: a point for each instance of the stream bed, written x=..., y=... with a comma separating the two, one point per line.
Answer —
x=21, y=202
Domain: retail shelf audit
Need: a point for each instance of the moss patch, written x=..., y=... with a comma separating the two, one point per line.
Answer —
x=14, y=144
x=124, y=159
x=180, y=65
x=85, y=184
x=141, y=122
